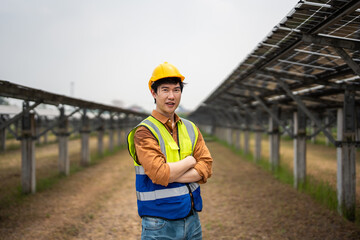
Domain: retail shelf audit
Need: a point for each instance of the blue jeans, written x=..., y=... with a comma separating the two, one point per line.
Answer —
x=157, y=228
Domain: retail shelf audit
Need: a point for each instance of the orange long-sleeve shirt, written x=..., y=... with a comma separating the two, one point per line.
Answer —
x=154, y=161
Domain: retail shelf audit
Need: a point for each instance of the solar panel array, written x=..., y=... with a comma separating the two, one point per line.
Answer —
x=314, y=52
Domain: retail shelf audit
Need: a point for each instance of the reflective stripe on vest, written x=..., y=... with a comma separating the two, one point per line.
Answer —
x=191, y=132
x=166, y=193
x=159, y=137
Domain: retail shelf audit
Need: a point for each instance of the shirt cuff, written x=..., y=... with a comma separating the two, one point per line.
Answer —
x=202, y=172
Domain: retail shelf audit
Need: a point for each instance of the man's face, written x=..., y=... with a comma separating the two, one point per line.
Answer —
x=168, y=97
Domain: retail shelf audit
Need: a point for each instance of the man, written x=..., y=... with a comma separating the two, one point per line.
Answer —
x=170, y=158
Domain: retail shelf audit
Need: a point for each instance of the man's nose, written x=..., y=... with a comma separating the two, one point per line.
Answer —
x=171, y=94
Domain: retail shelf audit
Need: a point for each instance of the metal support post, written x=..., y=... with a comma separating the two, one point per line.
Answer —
x=238, y=144
x=225, y=125
x=357, y=109
x=64, y=161
x=246, y=134
x=213, y=125
x=274, y=139
x=100, y=136
x=85, y=134
x=233, y=128
x=273, y=116
x=125, y=128
x=38, y=128
x=238, y=139
x=303, y=108
x=313, y=130
x=2, y=135
x=46, y=123
x=28, y=164
x=111, y=133
x=346, y=156
x=258, y=132
x=327, y=121
x=118, y=130
x=100, y=142
x=299, y=148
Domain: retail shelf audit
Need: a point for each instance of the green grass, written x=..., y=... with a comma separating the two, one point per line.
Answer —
x=322, y=192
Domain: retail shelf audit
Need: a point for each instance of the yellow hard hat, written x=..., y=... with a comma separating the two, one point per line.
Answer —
x=164, y=70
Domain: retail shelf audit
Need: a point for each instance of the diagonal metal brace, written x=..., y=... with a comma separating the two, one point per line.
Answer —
x=18, y=116
x=57, y=122
x=302, y=106
x=320, y=129
x=247, y=110
x=353, y=65
x=229, y=116
x=266, y=108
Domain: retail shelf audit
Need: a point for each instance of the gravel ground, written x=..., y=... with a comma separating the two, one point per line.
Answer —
x=241, y=201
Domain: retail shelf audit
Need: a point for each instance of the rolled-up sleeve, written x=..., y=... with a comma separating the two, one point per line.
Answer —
x=203, y=158
x=150, y=156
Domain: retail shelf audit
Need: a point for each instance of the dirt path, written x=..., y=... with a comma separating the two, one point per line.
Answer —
x=241, y=201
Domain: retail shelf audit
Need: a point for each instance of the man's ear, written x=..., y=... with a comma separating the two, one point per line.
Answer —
x=153, y=93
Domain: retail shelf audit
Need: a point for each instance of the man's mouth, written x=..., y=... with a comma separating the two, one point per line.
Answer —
x=170, y=104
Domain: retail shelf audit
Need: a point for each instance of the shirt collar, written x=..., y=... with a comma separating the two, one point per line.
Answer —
x=163, y=119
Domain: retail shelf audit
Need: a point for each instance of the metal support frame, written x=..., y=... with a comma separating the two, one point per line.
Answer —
x=353, y=65
x=330, y=41
x=111, y=132
x=18, y=116
x=126, y=127
x=274, y=138
x=38, y=123
x=28, y=163
x=224, y=124
x=299, y=148
x=328, y=123
x=246, y=134
x=258, y=132
x=85, y=134
x=214, y=123
x=63, y=136
x=57, y=122
x=238, y=142
x=100, y=134
x=346, y=157
x=231, y=126
x=2, y=134
x=46, y=123
x=119, y=131
x=246, y=109
x=303, y=108
x=273, y=116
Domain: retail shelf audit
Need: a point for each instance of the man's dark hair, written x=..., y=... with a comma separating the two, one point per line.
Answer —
x=171, y=80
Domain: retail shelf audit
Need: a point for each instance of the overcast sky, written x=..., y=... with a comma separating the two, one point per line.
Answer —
x=109, y=48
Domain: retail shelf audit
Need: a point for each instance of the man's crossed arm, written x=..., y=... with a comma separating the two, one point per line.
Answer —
x=183, y=171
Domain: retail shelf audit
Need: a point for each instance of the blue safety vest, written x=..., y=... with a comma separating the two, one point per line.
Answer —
x=173, y=201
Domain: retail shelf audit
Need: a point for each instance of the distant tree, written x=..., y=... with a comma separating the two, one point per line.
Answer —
x=3, y=101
